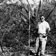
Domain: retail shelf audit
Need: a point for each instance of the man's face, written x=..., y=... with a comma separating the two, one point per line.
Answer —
x=42, y=18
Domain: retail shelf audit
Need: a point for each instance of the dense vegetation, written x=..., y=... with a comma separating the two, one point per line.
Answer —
x=14, y=27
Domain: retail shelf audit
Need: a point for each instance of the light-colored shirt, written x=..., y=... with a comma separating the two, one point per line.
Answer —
x=42, y=27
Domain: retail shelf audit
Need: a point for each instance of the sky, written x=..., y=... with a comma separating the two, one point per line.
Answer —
x=31, y=1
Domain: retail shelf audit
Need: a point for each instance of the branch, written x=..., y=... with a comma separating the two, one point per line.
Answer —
x=50, y=12
x=39, y=6
x=37, y=10
x=23, y=15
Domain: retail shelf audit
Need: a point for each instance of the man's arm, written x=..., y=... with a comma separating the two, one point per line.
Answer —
x=48, y=27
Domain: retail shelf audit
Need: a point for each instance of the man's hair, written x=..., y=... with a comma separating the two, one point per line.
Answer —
x=41, y=16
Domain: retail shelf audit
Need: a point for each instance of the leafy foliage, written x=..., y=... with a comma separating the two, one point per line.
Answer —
x=14, y=26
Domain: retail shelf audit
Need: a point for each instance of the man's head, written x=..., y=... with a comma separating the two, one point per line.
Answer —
x=42, y=18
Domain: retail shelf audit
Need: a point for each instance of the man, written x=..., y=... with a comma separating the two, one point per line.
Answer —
x=43, y=28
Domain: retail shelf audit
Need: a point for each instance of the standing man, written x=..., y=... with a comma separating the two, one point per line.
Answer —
x=43, y=28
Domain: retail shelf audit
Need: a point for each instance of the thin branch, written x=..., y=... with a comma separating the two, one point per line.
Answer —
x=23, y=15
x=39, y=6
x=51, y=12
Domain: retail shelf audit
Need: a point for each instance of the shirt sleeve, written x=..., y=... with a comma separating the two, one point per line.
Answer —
x=48, y=26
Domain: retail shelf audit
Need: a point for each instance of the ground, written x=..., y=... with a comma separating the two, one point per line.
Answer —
x=49, y=52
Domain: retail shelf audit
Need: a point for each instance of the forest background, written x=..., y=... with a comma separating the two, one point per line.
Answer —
x=14, y=25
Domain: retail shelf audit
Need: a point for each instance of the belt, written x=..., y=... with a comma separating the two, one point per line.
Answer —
x=43, y=35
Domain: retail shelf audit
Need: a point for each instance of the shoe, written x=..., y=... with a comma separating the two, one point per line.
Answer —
x=42, y=55
x=34, y=54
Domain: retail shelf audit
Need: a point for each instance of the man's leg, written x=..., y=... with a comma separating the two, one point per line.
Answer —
x=43, y=46
x=37, y=44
